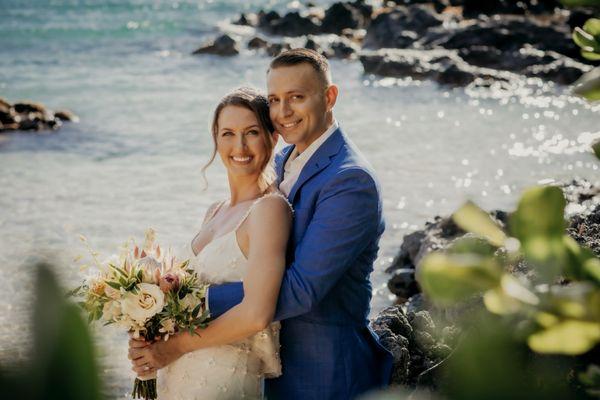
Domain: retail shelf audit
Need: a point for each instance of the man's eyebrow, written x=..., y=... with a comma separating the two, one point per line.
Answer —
x=288, y=92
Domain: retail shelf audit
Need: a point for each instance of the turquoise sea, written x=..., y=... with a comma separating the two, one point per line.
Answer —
x=134, y=159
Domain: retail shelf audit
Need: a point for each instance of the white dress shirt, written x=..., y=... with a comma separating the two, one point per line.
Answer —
x=296, y=161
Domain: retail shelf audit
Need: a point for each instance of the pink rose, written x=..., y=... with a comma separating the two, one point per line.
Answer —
x=169, y=282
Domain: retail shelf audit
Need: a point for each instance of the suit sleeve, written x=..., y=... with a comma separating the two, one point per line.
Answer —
x=347, y=218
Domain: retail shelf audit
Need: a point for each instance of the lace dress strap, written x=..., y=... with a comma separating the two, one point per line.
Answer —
x=278, y=194
x=210, y=214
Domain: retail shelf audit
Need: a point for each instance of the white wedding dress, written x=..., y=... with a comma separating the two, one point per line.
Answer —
x=232, y=371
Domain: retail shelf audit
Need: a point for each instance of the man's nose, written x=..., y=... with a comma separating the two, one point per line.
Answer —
x=286, y=110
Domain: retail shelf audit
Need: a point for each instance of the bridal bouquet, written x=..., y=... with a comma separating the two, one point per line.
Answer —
x=146, y=291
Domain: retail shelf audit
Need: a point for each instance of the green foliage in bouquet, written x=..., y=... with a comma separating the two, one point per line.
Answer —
x=62, y=365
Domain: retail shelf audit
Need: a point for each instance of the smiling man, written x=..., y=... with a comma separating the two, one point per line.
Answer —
x=327, y=349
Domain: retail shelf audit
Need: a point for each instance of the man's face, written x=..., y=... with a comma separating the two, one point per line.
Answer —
x=298, y=104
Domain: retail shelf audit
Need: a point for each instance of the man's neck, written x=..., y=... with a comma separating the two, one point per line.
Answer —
x=301, y=147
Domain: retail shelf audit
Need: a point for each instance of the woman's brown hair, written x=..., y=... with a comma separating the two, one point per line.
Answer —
x=253, y=100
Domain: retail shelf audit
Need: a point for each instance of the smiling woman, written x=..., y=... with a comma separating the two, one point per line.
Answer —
x=243, y=135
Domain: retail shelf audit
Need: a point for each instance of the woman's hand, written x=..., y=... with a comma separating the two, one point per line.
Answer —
x=148, y=357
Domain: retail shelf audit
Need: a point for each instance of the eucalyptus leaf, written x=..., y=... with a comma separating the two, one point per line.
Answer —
x=596, y=145
x=588, y=86
x=570, y=337
x=540, y=213
x=447, y=279
x=473, y=219
x=581, y=3
x=497, y=302
x=471, y=245
x=591, y=268
x=592, y=26
x=585, y=40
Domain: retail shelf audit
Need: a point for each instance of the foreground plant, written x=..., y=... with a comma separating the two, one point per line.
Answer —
x=533, y=275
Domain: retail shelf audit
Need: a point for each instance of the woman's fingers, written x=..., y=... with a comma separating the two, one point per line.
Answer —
x=140, y=362
x=143, y=370
x=134, y=353
x=136, y=343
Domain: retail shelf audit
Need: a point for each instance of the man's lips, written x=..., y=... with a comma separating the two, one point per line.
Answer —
x=289, y=125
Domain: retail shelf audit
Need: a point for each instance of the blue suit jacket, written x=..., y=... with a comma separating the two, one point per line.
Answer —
x=327, y=349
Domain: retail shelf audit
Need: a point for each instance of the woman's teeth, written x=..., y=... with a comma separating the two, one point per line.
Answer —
x=241, y=159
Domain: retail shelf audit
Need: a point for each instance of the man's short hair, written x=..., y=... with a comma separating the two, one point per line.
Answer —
x=308, y=56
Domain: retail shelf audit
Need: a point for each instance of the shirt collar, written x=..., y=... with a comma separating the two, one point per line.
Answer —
x=312, y=148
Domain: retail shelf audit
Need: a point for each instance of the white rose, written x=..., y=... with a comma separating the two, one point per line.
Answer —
x=111, y=311
x=145, y=304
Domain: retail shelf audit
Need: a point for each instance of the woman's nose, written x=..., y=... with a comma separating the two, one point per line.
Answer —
x=240, y=142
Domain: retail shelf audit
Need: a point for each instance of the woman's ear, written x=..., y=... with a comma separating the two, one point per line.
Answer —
x=275, y=138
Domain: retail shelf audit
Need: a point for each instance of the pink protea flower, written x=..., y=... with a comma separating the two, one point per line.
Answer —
x=169, y=282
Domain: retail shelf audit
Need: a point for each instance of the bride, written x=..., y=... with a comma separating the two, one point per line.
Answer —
x=243, y=238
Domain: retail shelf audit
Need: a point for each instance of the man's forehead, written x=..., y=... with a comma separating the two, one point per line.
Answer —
x=301, y=77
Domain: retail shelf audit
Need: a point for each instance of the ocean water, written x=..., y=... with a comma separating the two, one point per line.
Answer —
x=134, y=159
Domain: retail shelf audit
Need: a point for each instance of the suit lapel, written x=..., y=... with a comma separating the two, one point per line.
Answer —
x=318, y=161
x=280, y=162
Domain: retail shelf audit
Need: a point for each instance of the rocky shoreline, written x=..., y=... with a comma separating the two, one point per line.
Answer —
x=407, y=328
x=30, y=116
x=453, y=42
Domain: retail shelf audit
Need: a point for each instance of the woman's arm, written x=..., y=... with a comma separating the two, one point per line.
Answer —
x=268, y=230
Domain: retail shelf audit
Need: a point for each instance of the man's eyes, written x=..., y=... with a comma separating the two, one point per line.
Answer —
x=293, y=97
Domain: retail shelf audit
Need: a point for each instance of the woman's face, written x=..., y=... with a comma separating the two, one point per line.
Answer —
x=240, y=142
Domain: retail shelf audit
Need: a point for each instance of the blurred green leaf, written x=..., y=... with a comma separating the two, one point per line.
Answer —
x=473, y=219
x=592, y=269
x=447, y=279
x=581, y=3
x=588, y=85
x=509, y=297
x=596, y=145
x=592, y=26
x=489, y=363
x=471, y=245
x=585, y=40
x=64, y=366
x=571, y=337
x=581, y=262
x=591, y=379
x=540, y=213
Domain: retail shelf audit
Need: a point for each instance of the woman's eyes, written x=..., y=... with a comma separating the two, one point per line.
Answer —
x=297, y=97
x=253, y=132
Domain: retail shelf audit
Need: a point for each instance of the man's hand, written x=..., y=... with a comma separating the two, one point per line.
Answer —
x=147, y=357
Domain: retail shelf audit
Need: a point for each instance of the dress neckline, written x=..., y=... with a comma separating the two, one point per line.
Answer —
x=240, y=222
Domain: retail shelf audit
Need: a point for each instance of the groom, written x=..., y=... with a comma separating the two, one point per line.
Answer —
x=327, y=349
